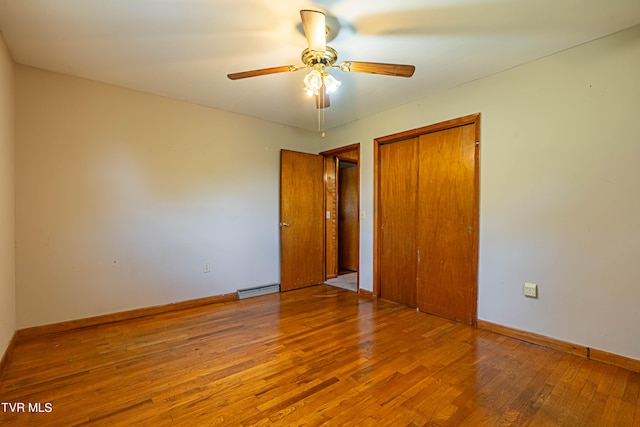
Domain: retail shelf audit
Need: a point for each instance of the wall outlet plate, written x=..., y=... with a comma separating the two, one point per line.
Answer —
x=531, y=290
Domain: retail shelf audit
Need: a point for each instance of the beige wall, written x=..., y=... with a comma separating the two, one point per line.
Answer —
x=560, y=200
x=7, y=200
x=123, y=196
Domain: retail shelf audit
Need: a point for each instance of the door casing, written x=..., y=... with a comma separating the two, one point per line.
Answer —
x=350, y=153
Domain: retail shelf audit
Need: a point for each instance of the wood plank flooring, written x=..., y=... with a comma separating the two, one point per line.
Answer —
x=315, y=356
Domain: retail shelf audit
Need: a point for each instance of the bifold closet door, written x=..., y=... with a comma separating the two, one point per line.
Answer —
x=446, y=239
x=398, y=185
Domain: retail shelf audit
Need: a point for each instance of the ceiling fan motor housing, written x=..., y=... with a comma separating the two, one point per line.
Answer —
x=327, y=57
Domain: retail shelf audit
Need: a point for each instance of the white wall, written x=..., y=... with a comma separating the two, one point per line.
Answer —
x=560, y=190
x=7, y=199
x=121, y=197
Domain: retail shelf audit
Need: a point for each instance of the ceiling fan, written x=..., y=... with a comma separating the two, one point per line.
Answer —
x=319, y=57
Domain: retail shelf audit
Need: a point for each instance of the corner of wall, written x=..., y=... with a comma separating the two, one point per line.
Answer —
x=7, y=200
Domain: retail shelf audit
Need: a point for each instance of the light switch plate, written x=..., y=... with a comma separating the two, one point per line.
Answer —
x=531, y=290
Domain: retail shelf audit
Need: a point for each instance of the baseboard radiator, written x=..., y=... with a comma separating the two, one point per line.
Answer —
x=258, y=290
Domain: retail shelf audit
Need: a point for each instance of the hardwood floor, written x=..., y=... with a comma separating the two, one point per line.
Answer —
x=307, y=357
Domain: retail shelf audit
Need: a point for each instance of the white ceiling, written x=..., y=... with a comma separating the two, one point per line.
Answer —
x=184, y=49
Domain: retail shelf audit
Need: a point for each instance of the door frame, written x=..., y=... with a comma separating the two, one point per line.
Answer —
x=472, y=119
x=344, y=154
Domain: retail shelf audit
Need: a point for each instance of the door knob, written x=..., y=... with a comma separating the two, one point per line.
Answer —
x=284, y=224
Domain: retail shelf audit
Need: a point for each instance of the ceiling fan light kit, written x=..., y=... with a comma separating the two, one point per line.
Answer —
x=331, y=83
x=313, y=82
x=318, y=57
x=318, y=76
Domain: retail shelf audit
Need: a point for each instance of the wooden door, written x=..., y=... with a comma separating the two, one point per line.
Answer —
x=301, y=220
x=348, y=217
x=446, y=242
x=331, y=216
x=398, y=183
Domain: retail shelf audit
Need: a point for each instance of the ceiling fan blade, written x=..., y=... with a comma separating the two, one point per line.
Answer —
x=322, y=99
x=315, y=29
x=261, y=72
x=399, y=70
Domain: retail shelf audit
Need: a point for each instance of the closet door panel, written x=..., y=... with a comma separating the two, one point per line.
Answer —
x=398, y=184
x=447, y=265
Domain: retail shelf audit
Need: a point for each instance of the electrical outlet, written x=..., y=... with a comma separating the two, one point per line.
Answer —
x=531, y=290
x=206, y=267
